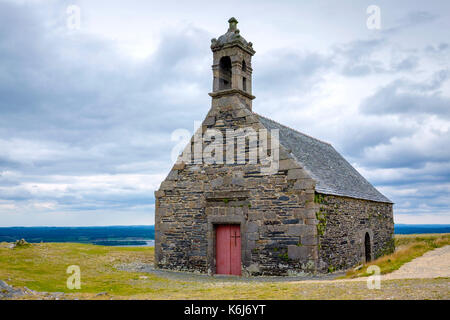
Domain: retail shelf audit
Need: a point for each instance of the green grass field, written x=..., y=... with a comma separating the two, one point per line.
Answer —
x=42, y=267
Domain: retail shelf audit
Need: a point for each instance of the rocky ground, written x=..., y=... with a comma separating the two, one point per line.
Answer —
x=9, y=292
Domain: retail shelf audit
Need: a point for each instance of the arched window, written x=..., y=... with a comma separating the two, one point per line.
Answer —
x=367, y=247
x=225, y=73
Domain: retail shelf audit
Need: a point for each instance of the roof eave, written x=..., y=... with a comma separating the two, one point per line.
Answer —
x=333, y=193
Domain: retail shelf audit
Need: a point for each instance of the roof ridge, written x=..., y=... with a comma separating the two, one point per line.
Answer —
x=283, y=125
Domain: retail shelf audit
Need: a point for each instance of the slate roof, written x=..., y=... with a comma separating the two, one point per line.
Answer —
x=333, y=174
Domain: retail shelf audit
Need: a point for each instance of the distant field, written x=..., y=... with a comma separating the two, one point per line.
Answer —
x=42, y=267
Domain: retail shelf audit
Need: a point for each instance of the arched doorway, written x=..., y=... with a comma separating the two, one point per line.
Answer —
x=367, y=247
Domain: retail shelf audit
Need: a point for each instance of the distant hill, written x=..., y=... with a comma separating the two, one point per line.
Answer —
x=110, y=235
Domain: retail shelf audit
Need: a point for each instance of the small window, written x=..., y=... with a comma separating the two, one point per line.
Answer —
x=244, y=66
x=244, y=84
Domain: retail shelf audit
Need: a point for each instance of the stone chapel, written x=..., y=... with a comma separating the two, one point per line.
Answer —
x=313, y=213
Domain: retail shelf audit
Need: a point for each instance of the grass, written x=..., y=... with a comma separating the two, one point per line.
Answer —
x=408, y=247
x=42, y=267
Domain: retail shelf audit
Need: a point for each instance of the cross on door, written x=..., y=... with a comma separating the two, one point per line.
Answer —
x=235, y=236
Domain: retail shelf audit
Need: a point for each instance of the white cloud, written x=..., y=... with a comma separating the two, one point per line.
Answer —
x=86, y=116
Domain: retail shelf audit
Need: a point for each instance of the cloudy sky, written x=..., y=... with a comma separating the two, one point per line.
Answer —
x=86, y=114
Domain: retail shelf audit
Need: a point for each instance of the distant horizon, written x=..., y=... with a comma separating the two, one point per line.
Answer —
x=139, y=234
x=152, y=225
x=99, y=226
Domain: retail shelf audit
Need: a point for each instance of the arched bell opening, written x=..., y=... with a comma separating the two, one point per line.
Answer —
x=225, y=73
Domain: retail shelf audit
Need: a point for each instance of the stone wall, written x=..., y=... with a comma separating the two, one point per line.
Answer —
x=342, y=225
x=276, y=212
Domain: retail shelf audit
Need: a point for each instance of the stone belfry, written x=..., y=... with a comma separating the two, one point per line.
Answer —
x=232, y=68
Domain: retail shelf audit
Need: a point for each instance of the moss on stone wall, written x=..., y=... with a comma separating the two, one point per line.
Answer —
x=321, y=217
x=319, y=198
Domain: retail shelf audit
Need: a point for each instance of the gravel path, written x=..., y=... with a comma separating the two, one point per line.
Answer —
x=432, y=264
x=191, y=276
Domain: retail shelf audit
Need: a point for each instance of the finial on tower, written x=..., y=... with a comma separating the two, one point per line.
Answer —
x=233, y=24
x=231, y=38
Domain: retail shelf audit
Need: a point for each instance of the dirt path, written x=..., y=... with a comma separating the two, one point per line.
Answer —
x=432, y=264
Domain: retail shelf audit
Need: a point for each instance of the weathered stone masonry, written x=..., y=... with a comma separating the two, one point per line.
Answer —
x=277, y=223
x=315, y=214
x=343, y=223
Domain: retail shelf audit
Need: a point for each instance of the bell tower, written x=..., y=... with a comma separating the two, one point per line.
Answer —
x=232, y=68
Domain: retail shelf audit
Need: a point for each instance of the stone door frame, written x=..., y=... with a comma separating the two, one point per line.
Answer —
x=362, y=238
x=213, y=221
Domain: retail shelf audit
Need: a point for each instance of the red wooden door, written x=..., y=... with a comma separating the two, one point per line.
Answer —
x=228, y=249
